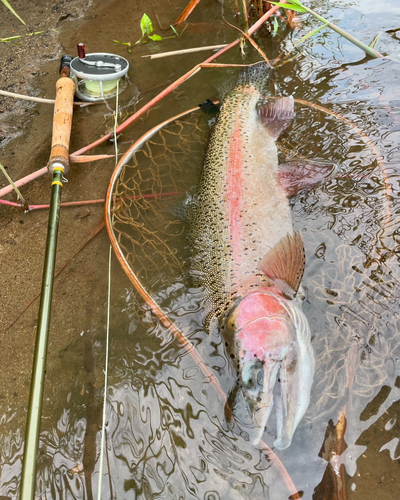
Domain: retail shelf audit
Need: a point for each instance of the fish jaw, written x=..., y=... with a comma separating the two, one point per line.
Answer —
x=296, y=377
x=260, y=401
x=272, y=337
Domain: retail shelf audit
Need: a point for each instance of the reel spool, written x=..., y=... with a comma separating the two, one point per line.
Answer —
x=99, y=75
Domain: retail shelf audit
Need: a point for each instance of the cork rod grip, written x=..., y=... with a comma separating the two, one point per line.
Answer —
x=62, y=121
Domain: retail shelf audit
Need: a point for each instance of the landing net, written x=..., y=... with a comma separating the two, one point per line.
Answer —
x=145, y=221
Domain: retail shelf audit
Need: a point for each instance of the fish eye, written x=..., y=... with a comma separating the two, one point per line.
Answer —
x=253, y=376
x=250, y=384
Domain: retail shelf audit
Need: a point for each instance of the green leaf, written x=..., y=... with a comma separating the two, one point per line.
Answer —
x=146, y=25
x=291, y=6
x=10, y=38
x=276, y=26
x=297, y=2
x=12, y=10
x=174, y=30
x=374, y=41
x=312, y=33
x=155, y=38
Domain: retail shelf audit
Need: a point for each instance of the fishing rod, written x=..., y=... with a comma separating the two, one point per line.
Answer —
x=58, y=166
x=92, y=77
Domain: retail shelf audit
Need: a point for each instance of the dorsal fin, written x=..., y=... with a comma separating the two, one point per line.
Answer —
x=284, y=264
x=276, y=115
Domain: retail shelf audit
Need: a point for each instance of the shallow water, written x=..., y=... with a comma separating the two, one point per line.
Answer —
x=167, y=435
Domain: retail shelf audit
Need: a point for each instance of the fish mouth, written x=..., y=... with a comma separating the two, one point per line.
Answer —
x=251, y=399
x=281, y=376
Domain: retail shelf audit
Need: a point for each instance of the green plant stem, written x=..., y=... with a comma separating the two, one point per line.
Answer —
x=12, y=10
x=299, y=7
x=373, y=53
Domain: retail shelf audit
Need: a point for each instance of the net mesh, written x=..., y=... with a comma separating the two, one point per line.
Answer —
x=149, y=199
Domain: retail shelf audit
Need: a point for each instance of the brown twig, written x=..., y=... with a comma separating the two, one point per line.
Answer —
x=217, y=65
x=186, y=12
x=88, y=158
x=185, y=51
x=253, y=43
x=40, y=99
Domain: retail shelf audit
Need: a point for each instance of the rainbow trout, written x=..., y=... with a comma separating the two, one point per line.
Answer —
x=250, y=263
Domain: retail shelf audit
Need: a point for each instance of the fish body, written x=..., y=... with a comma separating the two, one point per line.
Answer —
x=248, y=260
x=240, y=212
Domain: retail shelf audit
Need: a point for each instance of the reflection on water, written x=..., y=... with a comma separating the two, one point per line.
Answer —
x=167, y=435
x=59, y=465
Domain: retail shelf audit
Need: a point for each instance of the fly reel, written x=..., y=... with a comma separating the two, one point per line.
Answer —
x=98, y=76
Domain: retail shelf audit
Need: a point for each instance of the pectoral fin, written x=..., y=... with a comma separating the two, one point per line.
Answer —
x=284, y=264
x=296, y=176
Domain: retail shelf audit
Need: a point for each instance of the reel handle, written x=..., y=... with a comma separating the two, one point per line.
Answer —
x=62, y=119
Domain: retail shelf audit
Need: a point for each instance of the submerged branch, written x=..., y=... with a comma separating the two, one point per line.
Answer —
x=186, y=12
x=253, y=43
x=185, y=51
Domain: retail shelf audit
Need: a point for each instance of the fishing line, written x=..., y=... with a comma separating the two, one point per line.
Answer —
x=103, y=427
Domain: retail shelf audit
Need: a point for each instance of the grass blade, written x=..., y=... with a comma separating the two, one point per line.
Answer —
x=18, y=192
x=10, y=38
x=12, y=10
x=374, y=41
x=290, y=6
x=311, y=33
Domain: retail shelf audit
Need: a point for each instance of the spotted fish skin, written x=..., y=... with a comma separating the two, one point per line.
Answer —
x=241, y=233
x=239, y=210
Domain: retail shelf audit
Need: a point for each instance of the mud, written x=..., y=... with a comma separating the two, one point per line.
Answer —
x=30, y=66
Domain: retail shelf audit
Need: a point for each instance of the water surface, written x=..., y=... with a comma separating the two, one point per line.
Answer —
x=166, y=431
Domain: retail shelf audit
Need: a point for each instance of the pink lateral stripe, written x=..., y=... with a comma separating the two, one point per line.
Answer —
x=234, y=195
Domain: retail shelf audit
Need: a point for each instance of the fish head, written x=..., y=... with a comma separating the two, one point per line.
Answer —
x=261, y=334
x=261, y=328
x=270, y=349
